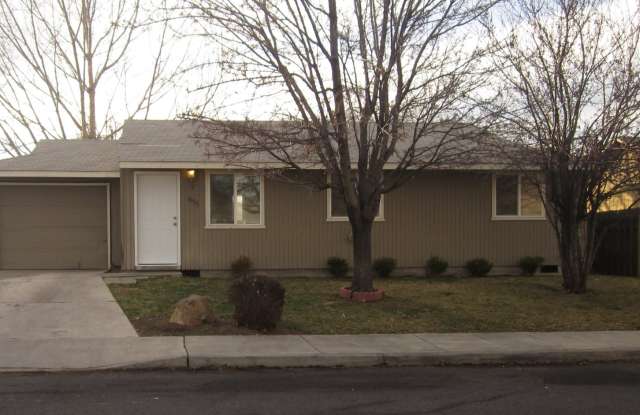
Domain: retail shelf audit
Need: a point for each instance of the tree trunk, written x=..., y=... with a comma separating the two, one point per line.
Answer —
x=573, y=275
x=575, y=267
x=90, y=86
x=362, y=270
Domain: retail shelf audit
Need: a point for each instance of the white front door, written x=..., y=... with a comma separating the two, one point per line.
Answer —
x=157, y=209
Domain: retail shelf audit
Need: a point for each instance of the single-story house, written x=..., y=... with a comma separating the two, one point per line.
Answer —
x=155, y=200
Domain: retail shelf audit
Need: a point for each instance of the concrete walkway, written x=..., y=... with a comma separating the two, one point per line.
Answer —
x=317, y=350
x=59, y=304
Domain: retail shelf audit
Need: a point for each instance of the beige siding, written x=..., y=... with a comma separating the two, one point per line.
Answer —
x=116, y=239
x=441, y=213
x=127, y=220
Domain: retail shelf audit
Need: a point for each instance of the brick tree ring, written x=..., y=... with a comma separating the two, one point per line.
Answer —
x=361, y=296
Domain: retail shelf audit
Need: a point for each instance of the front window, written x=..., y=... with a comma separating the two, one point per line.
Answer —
x=516, y=197
x=234, y=200
x=337, y=205
x=337, y=208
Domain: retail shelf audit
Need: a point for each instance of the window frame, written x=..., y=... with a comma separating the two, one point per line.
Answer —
x=518, y=216
x=207, y=209
x=330, y=218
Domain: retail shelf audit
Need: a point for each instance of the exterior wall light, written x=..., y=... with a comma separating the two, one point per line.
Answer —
x=191, y=174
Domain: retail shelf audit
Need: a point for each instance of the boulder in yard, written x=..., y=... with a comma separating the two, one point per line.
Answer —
x=192, y=311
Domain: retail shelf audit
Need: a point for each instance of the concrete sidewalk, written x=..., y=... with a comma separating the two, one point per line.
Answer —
x=316, y=350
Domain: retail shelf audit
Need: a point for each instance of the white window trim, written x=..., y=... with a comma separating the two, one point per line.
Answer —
x=495, y=216
x=331, y=218
x=207, y=203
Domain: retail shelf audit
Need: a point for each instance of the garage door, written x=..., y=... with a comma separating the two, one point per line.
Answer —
x=53, y=227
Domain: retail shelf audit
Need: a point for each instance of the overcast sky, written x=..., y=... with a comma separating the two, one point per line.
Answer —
x=235, y=101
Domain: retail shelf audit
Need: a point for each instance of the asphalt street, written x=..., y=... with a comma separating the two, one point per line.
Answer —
x=591, y=389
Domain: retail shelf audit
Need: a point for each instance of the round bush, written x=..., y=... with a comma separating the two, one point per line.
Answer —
x=257, y=301
x=241, y=267
x=383, y=267
x=478, y=267
x=436, y=266
x=337, y=267
x=530, y=264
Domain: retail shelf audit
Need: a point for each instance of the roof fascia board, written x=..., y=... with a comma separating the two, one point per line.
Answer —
x=272, y=165
x=60, y=174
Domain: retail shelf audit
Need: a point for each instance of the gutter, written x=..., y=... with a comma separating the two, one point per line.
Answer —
x=59, y=174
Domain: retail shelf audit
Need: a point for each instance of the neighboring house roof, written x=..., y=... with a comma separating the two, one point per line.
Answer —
x=147, y=143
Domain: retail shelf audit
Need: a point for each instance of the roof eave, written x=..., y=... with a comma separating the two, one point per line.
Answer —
x=275, y=165
x=59, y=174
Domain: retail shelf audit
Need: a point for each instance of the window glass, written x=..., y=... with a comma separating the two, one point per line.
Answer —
x=338, y=206
x=234, y=199
x=247, y=200
x=530, y=203
x=507, y=195
x=221, y=198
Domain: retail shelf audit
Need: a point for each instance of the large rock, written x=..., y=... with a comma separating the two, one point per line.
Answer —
x=192, y=311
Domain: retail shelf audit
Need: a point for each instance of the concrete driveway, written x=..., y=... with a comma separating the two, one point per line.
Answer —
x=56, y=304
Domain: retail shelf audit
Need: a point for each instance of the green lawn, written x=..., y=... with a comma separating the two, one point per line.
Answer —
x=444, y=304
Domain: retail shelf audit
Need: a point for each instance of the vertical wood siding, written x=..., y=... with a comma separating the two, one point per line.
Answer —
x=126, y=219
x=440, y=213
x=116, y=239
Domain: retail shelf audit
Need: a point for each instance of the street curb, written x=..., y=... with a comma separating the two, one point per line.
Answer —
x=293, y=351
x=171, y=364
x=351, y=361
x=293, y=361
x=413, y=359
x=91, y=354
x=525, y=359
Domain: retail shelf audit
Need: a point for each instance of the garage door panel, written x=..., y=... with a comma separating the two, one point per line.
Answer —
x=68, y=254
x=62, y=227
x=55, y=195
x=48, y=260
x=13, y=217
x=59, y=238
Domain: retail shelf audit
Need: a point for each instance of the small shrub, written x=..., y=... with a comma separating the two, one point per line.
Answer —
x=241, y=267
x=436, y=266
x=337, y=267
x=529, y=264
x=383, y=267
x=478, y=267
x=257, y=301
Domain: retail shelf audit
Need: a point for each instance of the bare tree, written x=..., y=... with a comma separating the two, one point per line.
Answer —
x=373, y=92
x=571, y=98
x=64, y=64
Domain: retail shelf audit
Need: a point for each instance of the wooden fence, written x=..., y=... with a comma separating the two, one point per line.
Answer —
x=618, y=251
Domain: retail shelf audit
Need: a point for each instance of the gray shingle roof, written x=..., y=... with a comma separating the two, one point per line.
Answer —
x=156, y=141
x=162, y=141
x=179, y=141
x=183, y=141
x=67, y=156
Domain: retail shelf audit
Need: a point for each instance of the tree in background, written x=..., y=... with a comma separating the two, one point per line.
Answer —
x=370, y=91
x=65, y=64
x=570, y=98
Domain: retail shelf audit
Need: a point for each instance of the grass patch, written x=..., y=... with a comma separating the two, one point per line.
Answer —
x=411, y=305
